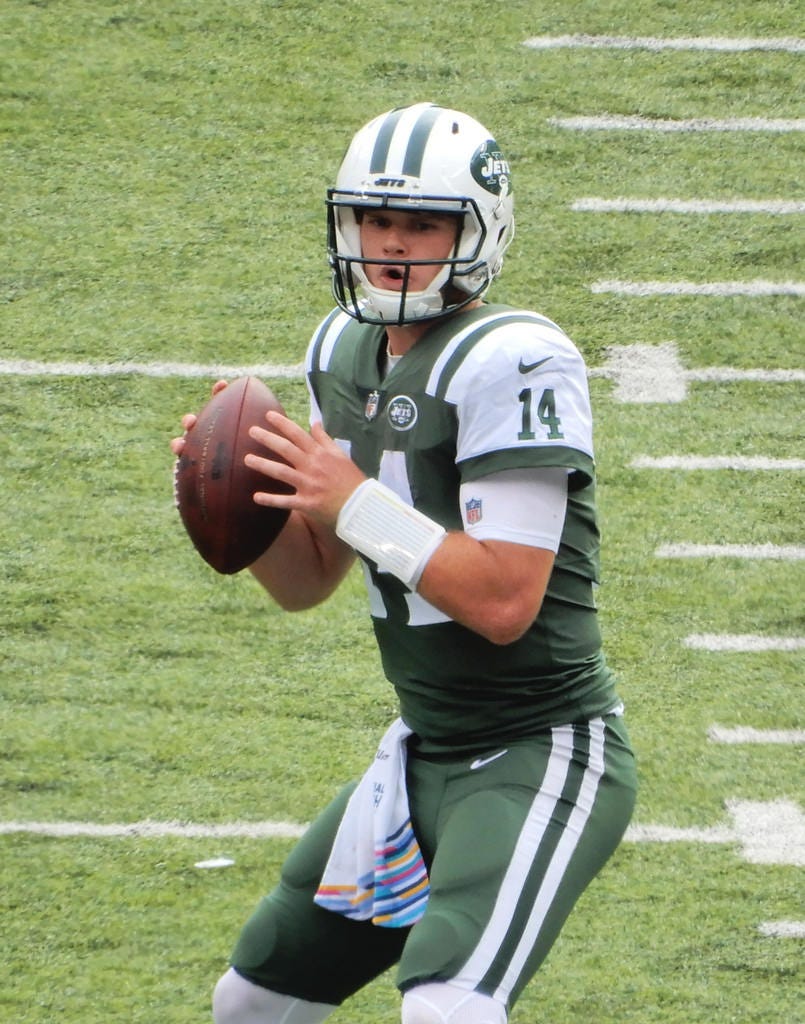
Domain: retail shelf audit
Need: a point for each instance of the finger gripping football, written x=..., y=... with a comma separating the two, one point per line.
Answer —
x=214, y=488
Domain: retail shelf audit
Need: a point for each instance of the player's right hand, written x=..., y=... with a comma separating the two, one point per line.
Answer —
x=189, y=420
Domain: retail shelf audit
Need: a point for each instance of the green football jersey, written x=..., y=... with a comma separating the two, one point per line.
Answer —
x=489, y=389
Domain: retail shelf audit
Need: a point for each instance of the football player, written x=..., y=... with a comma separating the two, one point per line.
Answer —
x=450, y=450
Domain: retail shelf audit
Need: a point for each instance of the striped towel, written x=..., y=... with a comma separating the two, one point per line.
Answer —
x=376, y=870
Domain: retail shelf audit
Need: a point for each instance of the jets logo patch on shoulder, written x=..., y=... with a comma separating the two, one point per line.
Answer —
x=402, y=412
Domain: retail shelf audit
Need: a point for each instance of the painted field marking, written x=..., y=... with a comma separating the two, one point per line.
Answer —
x=768, y=833
x=641, y=373
x=783, y=929
x=156, y=829
x=614, y=122
x=654, y=373
x=740, y=734
x=747, y=463
x=752, y=289
x=644, y=373
x=725, y=374
x=743, y=643
x=785, y=553
x=214, y=371
x=655, y=43
x=776, y=207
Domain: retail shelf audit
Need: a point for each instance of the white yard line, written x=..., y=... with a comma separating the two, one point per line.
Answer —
x=156, y=829
x=768, y=833
x=35, y=368
x=777, y=207
x=786, y=553
x=749, y=463
x=641, y=373
x=752, y=289
x=655, y=43
x=615, y=122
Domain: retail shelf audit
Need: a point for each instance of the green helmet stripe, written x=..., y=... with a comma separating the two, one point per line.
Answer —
x=412, y=164
x=380, y=153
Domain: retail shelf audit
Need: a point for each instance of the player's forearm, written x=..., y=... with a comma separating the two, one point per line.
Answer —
x=304, y=565
x=494, y=588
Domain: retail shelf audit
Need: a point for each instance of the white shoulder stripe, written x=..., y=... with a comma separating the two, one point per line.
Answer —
x=458, y=339
x=328, y=344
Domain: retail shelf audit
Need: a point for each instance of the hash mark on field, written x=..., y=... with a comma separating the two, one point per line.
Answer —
x=743, y=643
x=720, y=289
x=787, y=553
x=614, y=122
x=655, y=43
x=693, y=462
x=776, y=207
x=783, y=929
x=744, y=734
x=726, y=374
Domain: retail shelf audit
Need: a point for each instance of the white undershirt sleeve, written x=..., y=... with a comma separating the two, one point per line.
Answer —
x=524, y=506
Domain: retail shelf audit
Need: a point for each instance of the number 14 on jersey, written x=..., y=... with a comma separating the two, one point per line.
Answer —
x=545, y=410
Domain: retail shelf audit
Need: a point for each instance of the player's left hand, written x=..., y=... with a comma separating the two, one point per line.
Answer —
x=322, y=474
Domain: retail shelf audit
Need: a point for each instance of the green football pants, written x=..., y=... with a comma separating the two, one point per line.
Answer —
x=512, y=837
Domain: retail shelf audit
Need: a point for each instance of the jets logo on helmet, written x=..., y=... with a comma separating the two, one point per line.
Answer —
x=490, y=168
x=422, y=158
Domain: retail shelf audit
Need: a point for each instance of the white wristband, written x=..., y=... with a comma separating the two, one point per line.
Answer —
x=378, y=523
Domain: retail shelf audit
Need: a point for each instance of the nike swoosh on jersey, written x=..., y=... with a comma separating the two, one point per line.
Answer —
x=528, y=367
x=479, y=762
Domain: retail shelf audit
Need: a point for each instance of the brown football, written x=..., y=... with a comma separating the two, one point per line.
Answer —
x=212, y=486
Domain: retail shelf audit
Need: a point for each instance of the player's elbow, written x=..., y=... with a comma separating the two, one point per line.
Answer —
x=506, y=622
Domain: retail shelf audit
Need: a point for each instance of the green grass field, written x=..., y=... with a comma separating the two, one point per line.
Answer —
x=162, y=174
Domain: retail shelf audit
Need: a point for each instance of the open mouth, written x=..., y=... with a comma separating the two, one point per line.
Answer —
x=393, y=277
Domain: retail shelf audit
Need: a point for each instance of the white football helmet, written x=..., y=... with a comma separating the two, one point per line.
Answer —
x=420, y=158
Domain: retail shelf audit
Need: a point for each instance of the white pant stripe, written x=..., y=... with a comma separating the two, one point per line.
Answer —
x=528, y=843
x=531, y=835
x=561, y=858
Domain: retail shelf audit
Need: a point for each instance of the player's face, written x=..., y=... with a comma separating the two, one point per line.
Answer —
x=399, y=235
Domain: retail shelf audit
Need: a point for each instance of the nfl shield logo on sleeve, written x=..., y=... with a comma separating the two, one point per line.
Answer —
x=372, y=402
x=474, y=509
